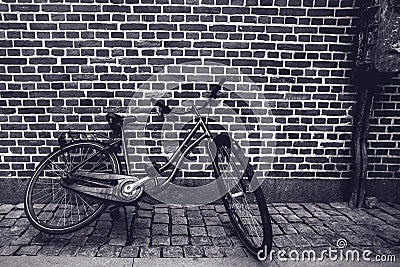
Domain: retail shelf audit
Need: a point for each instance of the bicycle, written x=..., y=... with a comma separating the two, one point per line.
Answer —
x=75, y=183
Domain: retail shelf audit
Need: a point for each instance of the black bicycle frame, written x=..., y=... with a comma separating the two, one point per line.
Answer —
x=177, y=157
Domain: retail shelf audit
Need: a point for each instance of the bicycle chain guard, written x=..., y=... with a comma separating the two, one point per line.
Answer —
x=111, y=187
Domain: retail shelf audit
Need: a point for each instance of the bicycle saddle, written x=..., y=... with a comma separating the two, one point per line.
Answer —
x=115, y=121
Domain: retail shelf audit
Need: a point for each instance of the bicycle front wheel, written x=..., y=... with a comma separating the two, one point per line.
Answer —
x=244, y=202
x=54, y=209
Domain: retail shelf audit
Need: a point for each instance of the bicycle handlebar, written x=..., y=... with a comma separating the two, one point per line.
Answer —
x=211, y=94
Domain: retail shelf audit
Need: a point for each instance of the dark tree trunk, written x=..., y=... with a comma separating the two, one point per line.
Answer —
x=360, y=144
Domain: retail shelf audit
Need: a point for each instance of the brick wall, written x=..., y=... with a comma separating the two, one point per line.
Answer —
x=64, y=64
x=384, y=145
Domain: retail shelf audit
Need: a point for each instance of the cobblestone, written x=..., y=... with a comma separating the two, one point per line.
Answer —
x=216, y=231
x=85, y=231
x=282, y=241
x=276, y=230
x=142, y=223
x=109, y=251
x=162, y=210
x=298, y=241
x=200, y=240
x=179, y=220
x=144, y=214
x=160, y=240
x=141, y=241
x=180, y=240
x=175, y=232
x=194, y=214
x=28, y=250
x=57, y=240
x=222, y=241
x=78, y=240
x=69, y=250
x=180, y=212
x=278, y=218
x=235, y=252
x=303, y=228
x=195, y=222
x=50, y=250
x=292, y=218
x=172, y=252
x=322, y=230
x=101, y=232
x=288, y=228
x=179, y=230
x=224, y=218
x=213, y=252
x=7, y=222
x=150, y=252
x=302, y=213
x=197, y=231
x=209, y=213
x=19, y=241
x=6, y=208
x=130, y=252
x=87, y=251
x=193, y=251
x=220, y=209
x=212, y=221
x=337, y=227
x=159, y=229
x=42, y=238
x=317, y=241
x=5, y=230
x=234, y=240
x=118, y=241
x=389, y=209
x=161, y=218
x=141, y=232
x=14, y=214
x=103, y=224
x=8, y=250
x=97, y=240
x=15, y=229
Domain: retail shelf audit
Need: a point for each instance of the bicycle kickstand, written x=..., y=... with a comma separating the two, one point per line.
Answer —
x=129, y=229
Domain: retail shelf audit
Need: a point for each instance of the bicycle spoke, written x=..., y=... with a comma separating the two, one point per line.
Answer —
x=97, y=163
x=58, y=168
x=70, y=209
x=77, y=206
x=86, y=203
x=58, y=206
x=44, y=196
x=240, y=199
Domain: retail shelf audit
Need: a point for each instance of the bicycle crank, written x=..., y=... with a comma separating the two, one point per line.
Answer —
x=129, y=191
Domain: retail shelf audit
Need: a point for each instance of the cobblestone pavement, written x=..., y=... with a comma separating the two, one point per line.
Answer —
x=172, y=232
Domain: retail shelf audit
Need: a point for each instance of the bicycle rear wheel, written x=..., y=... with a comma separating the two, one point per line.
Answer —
x=245, y=206
x=54, y=209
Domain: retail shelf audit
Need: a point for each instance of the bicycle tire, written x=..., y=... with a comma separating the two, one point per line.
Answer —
x=50, y=171
x=229, y=149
